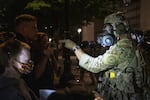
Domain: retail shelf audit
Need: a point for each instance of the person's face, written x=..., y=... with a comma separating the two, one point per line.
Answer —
x=30, y=30
x=45, y=41
x=22, y=62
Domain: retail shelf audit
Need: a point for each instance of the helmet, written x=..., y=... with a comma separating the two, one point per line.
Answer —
x=118, y=22
x=113, y=24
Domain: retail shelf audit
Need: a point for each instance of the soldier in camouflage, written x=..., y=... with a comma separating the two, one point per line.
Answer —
x=120, y=66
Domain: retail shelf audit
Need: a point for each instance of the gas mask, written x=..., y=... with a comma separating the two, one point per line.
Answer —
x=107, y=37
x=137, y=35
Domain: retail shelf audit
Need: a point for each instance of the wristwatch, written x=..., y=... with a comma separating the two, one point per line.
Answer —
x=76, y=48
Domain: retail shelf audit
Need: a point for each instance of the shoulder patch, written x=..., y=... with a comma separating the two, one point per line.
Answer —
x=110, y=59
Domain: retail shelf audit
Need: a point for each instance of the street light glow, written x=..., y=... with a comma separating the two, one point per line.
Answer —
x=79, y=30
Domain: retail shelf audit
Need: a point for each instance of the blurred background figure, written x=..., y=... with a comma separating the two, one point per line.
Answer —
x=137, y=36
x=4, y=36
x=14, y=62
x=142, y=41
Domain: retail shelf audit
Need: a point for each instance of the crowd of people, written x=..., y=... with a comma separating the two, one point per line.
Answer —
x=28, y=63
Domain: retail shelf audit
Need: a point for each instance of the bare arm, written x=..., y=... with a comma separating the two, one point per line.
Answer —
x=92, y=64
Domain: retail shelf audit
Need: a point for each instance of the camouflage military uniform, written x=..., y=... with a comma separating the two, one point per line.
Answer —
x=119, y=81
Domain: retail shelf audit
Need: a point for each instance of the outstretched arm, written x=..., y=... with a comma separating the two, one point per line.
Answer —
x=92, y=64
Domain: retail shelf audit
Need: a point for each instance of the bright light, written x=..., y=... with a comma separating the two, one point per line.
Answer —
x=79, y=30
x=45, y=27
x=50, y=39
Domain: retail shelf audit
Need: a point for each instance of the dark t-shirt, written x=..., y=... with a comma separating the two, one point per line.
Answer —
x=9, y=89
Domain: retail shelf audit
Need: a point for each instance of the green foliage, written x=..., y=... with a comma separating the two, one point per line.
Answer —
x=87, y=9
x=37, y=5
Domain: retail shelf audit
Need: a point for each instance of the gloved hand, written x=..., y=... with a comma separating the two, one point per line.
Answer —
x=69, y=44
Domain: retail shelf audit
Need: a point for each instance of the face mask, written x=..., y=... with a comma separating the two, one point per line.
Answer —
x=23, y=63
x=25, y=68
x=106, y=38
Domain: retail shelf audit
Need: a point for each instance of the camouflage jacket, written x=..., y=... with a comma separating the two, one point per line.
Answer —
x=118, y=64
